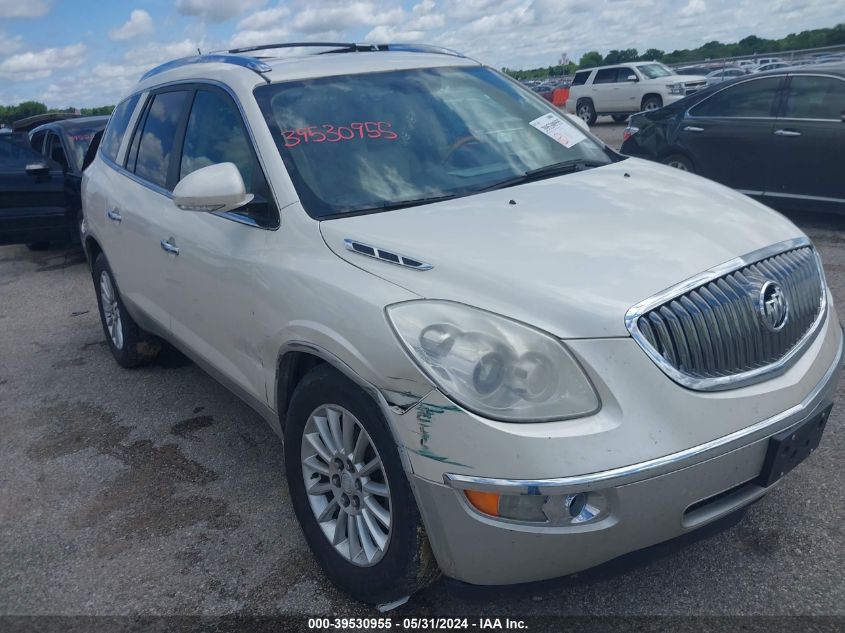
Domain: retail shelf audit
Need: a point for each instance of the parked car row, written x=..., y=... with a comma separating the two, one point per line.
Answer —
x=778, y=136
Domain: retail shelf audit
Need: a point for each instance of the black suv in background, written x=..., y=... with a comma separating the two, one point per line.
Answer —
x=40, y=177
x=777, y=136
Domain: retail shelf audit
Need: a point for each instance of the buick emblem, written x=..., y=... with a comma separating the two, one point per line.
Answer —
x=772, y=306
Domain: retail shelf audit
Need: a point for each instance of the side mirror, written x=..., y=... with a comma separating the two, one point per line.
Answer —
x=581, y=123
x=37, y=169
x=217, y=187
x=631, y=78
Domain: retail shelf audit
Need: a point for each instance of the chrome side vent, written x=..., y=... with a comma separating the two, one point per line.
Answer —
x=385, y=255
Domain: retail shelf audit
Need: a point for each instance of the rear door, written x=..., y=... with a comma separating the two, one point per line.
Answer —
x=809, y=143
x=605, y=90
x=140, y=213
x=729, y=137
x=32, y=194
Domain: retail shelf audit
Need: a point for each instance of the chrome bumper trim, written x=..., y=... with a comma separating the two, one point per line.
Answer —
x=652, y=467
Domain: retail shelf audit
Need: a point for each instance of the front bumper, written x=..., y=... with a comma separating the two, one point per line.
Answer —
x=648, y=503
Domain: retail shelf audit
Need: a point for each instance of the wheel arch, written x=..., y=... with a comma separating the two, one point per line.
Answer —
x=92, y=249
x=669, y=150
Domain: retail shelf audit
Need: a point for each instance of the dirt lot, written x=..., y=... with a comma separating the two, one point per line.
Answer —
x=155, y=491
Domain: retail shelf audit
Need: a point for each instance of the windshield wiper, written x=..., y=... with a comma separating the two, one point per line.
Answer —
x=390, y=206
x=555, y=169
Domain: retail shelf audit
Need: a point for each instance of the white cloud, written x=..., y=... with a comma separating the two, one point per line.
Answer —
x=694, y=7
x=344, y=17
x=255, y=38
x=216, y=10
x=139, y=23
x=23, y=8
x=265, y=19
x=41, y=64
x=9, y=44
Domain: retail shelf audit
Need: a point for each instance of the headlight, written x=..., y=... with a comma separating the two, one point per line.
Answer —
x=498, y=368
x=676, y=89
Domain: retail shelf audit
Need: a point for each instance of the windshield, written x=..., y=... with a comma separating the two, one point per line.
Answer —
x=653, y=71
x=367, y=142
x=78, y=140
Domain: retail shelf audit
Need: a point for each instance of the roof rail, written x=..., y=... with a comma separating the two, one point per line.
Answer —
x=253, y=64
x=236, y=55
x=350, y=47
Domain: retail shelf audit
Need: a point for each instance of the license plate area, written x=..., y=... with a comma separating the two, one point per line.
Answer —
x=791, y=446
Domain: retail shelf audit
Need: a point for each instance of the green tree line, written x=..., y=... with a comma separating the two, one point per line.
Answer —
x=750, y=45
x=11, y=113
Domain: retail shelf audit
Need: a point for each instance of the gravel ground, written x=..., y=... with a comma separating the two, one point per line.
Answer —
x=154, y=491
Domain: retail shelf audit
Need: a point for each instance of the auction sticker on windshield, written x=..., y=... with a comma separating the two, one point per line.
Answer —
x=554, y=127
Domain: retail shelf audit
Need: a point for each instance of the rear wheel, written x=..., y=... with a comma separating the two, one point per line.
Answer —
x=652, y=103
x=586, y=111
x=129, y=344
x=350, y=492
x=679, y=161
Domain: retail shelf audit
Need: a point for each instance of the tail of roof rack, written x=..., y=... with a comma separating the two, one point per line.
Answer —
x=236, y=55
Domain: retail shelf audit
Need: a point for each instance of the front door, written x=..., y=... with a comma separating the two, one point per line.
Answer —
x=215, y=282
x=729, y=134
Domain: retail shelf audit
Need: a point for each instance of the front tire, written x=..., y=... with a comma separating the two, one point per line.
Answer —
x=586, y=111
x=679, y=161
x=129, y=344
x=350, y=492
x=652, y=103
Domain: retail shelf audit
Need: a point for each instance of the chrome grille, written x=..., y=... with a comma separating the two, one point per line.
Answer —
x=709, y=334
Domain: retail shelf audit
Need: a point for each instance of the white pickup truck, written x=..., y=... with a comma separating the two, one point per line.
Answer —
x=624, y=89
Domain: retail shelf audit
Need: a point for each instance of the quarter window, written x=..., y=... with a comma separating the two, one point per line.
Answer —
x=815, y=98
x=215, y=134
x=116, y=128
x=748, y=99
x=158, y=136
x=581, y=78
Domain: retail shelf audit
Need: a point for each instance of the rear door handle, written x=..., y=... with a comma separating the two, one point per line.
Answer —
x=787, y=133
x=692, y=128
x=114, y=215
x=169, y=245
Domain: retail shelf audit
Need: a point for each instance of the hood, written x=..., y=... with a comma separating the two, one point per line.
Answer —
x=680, y=79
x=571, y=254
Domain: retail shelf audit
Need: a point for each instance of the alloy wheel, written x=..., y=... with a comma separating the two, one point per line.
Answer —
x=111, y=310
x=677, y=165
x=347, y=485
x=585, y=113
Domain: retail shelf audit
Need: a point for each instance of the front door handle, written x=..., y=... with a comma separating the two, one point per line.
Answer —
x=114, y=215
x=692, y=128
x=787, y=133
x=169, y=245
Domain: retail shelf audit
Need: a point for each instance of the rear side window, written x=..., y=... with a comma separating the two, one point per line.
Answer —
x=748, y=99
x=117, y=127
x=815, y=98
x=158, y=137
x=215, y=133
x=581, y=77
x=606, y=76
x=16, y=153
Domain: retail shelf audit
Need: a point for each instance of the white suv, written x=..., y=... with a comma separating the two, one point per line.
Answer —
x=624, y=89
x=492, y=345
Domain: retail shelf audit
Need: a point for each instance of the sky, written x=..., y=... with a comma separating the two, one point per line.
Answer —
x=87, y=53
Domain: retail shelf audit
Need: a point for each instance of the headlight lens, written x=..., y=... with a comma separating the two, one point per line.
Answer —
x=491, y=365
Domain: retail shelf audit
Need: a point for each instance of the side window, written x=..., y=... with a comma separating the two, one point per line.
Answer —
x=16, y=153
x=581, y=77
x=158, y=137
x=623, y=74
x=815, y=98
x=116, y=127
x=37, y=141
x=606, y=76
x=753, y=98
x=54, y=150
x=215, y=133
